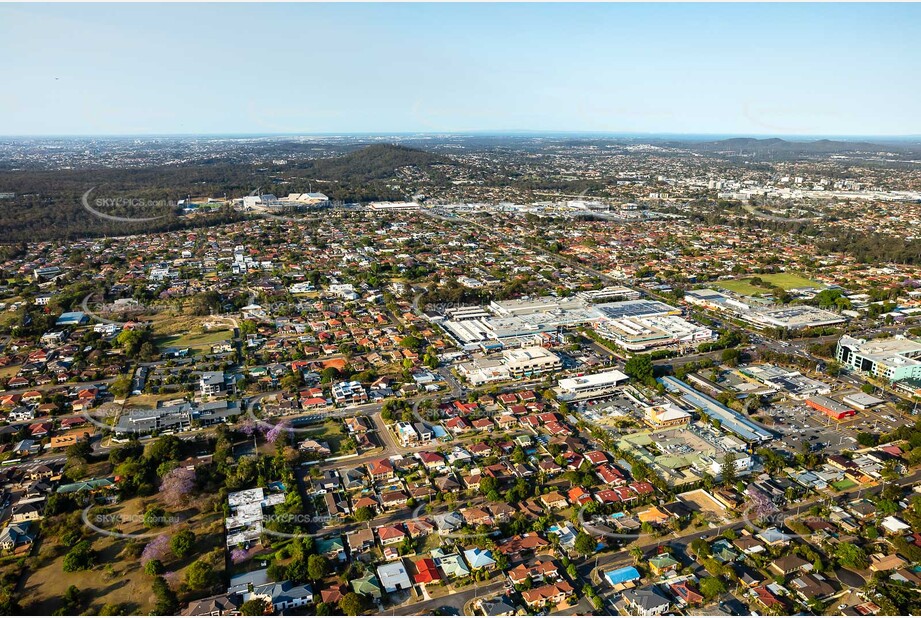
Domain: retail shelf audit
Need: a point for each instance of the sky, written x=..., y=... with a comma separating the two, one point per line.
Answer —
x=738, y=69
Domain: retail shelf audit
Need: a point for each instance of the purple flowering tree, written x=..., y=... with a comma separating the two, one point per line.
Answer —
x=157, y=549
x=238, y=555
x=176, y=485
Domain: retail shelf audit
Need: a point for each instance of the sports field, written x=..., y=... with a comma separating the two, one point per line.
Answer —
x=787, y=281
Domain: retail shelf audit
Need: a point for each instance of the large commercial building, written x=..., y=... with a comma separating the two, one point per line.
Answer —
x=729, y=419
x=792, y=317
x=830, y=407
x=540, y=304
x=587, y=387
x=511, y=364
x=635, y=325
x=531, y=361
x=894, y=359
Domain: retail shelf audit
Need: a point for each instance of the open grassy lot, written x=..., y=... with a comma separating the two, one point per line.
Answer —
x=787, y=281
x=333, y=434
x=118, y=578
x=9, y=372
x=199, y=341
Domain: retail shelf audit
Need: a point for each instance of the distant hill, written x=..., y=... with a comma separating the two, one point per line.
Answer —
x=781, y=146
x=47, y=203
x=376, y=162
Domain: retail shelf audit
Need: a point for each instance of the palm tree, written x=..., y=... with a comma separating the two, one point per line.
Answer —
x=636, y=553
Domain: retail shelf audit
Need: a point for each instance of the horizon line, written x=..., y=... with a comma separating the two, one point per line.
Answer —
x=482, y=133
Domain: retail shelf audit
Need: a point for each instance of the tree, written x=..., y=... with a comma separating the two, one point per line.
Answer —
x=352, y=604
x=584, y=544
x=850, y=555
x=167, y=602
x=158, y=549
x=639, y=368
x=176, y=485
x=80, y=558
x=317, y=567
x=364, y=513
x=254, y=607
x=731, y=356
x=200, y=576
x=636, y=553
x=154, y=567
x=182, y=543
x=729, y=469
x=712, y=587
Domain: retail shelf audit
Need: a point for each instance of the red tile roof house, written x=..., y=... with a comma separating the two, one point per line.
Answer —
x=72, y=421
x=685, y=593
x=530, y=421
x=607, y=496
x=579, y=496
x=768, y=598
x=610, y=475
x=380, y=469
x=32, y=396
x=369, y=502
x=333, y=594
x=40, y=430
x=465, y=408
x=520, y=544
x=482, y=424
x=458, y=425
x=390, y=535
x=431, y=460
x=573, y=460
x=642, y=488
x=538, y=572
x=557, y=429
x=551, y=594
x=596, y=458
x=508, y=399
x=480, y=449
x=475, y=516
x=426, y=571
x=394, y=499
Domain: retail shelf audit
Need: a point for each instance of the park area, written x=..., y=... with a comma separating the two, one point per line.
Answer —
x=786, y=281
x=114, y=577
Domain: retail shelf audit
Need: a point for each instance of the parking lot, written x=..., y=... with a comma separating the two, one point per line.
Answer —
x=799, y=423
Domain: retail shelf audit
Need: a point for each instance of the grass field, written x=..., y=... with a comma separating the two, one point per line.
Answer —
x=787, y=281
x=333, y=434
x=195, y=341
x=118, y=577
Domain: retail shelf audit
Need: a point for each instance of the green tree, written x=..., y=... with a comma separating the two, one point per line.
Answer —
x=200, y=576
x=254, y=607
x=167, y=602
x=80, y=558
x=352, y=604
x=712, y=587
x=639, y=368
x=584, y=544
x=182, y=543
x=317, y=567
x=364, y=513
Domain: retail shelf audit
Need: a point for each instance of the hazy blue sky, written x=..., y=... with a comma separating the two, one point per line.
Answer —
x=813, y=69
